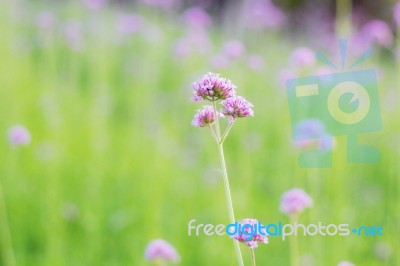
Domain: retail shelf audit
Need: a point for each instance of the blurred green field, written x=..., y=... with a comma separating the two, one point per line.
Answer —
x=115, y=163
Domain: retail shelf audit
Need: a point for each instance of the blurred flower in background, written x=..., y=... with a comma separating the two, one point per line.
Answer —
x=295, y=201
x=311, y=133
x=161, y=250
x=345, y=263
x=377, y=32
x=94, y=4
x=18, y=135
x=264, y=14
x=128, y=24
x=302, y=57
x=197, y=17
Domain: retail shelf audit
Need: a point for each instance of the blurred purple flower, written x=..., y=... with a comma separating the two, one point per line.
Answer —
x=248, y=225
x=160, y=249
x=295, y=201
x=233, y=49
x=45, y=20
x=377, y=32
x=284, y=75
x=220, y=61
x=195, y=41
x=204, y=117
x=163, y=4
x=128, y=23
x=396, y=13
x=302, y=57
x=310, y=128
x=237, y=107
x=19, y=135
x=255, y=62
x=264, y=14
x=73, y=32
x=345, y=263
x=310, y=133
x=212, y=87
x=196, y=17
x=94, y=4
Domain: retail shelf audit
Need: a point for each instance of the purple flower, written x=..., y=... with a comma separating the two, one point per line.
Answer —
x=310, y=133
x=212, y=87
x=310, y=128
x=197, y=17
x=255, y=62
x=19, y=135
x=204, y=116
x=377, y=31
x=160, y=249
x=128, y=23
x=45, y=20
x=345, y=263
x=249, y=234
x=196, y=40
x=94, y=4
x=163, y=4
x=295, y=201
x=73, y=32
x=233, y=49
x=237, y=107
x=264, y=14
x=302, y=57
x=396, y=13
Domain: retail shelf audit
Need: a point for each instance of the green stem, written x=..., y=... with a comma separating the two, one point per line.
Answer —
x=226, y=185
x=253, y=257
x=5, y=233
x=294, y=248
x=227, y=131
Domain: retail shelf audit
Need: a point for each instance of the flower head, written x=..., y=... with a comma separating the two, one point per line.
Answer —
x=378, y=32
x=345, y=263
x=249, y=234
x=204, y=116
x=310, y=133
x=237, y=107
x=197, y=17
x=212, y=87
x=295, y=201
x=302, y=57
x=233, y=49
x=160, y=249
x=19, y=135
x=396, y=13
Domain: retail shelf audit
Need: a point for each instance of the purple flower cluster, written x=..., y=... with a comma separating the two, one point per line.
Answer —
x=311, y=133
x=161, y=250
x=212, y=87
x=295, y=201
x=19, y=135
x=237, y=107
x=248, y=226
x=204, y=116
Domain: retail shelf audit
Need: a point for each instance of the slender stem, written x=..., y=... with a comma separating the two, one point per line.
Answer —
x=226, y=185
x=5, y=233
x=294, y=249
x=253, y=257
x=213, y=133
x=227, y=131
